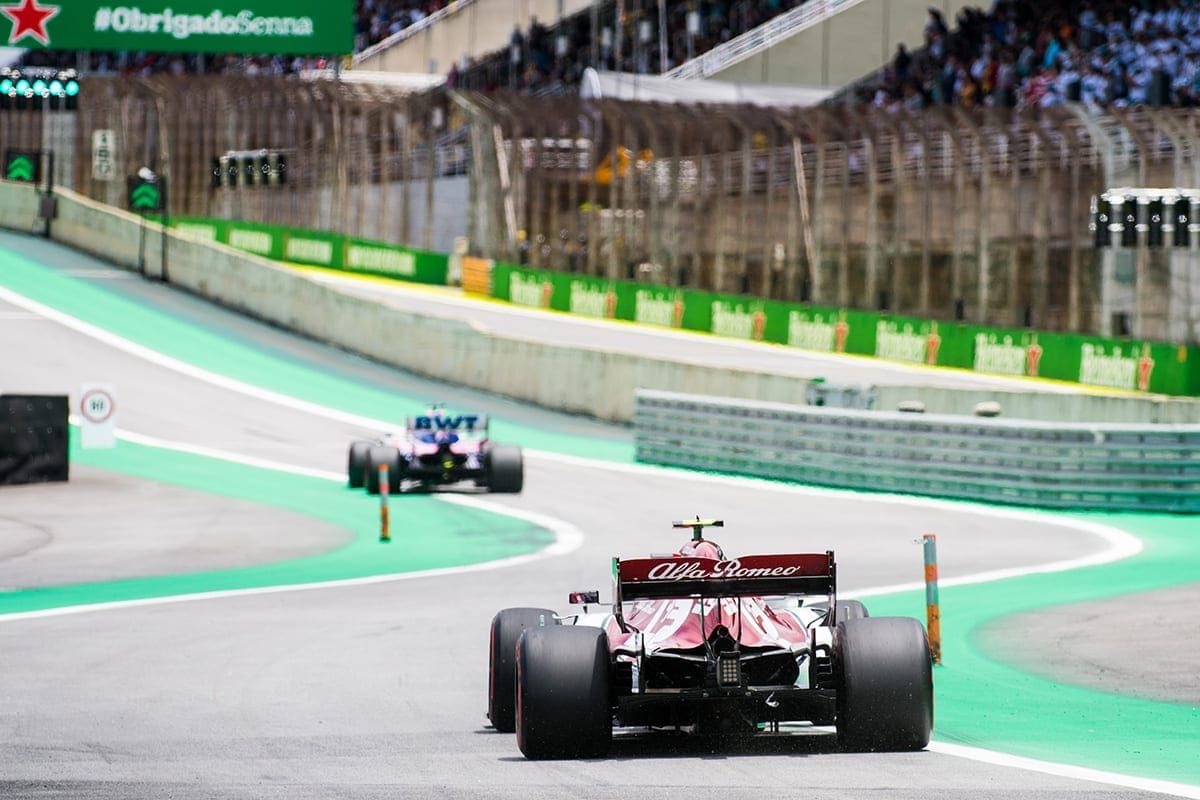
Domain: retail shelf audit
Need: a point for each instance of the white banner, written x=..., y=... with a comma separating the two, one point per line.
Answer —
x=104, y=167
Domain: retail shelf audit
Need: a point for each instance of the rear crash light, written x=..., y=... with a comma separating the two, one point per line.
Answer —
x=729, y=671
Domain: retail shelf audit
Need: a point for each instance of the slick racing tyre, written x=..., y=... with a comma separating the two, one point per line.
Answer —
x=885, y=691
x=563, y=707
x=507, y=627
x=850, y=609
x=357, y=463
x=506, y=469
x=383, y=455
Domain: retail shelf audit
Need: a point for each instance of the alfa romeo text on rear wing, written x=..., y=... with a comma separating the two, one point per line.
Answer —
x=793, y=573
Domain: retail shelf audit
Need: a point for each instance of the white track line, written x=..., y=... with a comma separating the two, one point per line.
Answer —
x=1067, y=770
x=1120, y=543
x=567, y=537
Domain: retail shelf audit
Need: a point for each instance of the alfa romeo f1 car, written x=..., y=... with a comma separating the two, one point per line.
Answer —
x=437, y=449
x=705, y=644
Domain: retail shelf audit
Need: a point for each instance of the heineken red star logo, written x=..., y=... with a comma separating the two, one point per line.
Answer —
x=29, y=19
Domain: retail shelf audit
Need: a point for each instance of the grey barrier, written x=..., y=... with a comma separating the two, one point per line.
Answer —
x=1103, y=467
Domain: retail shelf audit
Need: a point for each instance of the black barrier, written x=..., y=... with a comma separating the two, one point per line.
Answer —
x=33, y=438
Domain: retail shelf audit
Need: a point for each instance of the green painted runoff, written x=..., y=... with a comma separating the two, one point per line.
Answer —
x=208, y=350
x=984, y=703
x=427, y=533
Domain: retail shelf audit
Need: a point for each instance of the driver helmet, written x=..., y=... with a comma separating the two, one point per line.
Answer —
x=701, y=549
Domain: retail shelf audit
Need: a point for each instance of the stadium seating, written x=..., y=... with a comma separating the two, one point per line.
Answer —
x=1018, y=53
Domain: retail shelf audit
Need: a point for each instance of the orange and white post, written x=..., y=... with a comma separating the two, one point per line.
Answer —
x=933, y=611
x=385, y=534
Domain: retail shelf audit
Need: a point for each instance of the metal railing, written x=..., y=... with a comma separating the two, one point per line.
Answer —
x=759, y=39
x=412, y=30
x=1021, y=462
x=979, y=215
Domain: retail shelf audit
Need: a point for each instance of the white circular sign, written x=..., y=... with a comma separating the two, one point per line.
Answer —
x=97, y=405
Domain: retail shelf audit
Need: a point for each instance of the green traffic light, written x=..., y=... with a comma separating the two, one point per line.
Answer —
x=6, y=86
x=39, y=87
x=72, y=88
x=56, y=88
x=22, y=86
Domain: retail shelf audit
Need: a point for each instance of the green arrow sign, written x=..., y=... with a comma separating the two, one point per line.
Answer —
x=20, y=169
x=22, y=166
x=146, y=196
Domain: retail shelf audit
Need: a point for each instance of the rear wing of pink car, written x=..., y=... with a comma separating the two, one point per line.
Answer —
x=675, y=577
x=461, y=424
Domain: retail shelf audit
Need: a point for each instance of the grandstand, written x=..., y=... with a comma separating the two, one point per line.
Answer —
x=1015, y=53
x=815, y=44
x=963, y=199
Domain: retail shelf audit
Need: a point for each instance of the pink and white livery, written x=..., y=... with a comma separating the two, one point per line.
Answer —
x=700, y=642
x=437, y=449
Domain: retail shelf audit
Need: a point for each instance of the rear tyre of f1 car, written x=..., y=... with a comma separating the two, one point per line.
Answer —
x=850, y=609
x=563, y=705
x=885, y=691
x=506, y=469
x=356, y=464
x=383, y=455
x=507, y=627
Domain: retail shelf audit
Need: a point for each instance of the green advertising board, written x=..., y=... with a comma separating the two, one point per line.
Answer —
x=262, y=240
x=321, y=249
x=831, y=330
x=286, y=27
x=391, y=261
x=313, y=248
x=524, y=287
x=1136, y=366
x=663, y=306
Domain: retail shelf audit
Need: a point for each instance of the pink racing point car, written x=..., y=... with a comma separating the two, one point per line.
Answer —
x=437, y=449
x=701, y=643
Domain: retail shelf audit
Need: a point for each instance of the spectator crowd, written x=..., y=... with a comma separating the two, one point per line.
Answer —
x=1017, y=53
x=1029, y=54
x=543, y=59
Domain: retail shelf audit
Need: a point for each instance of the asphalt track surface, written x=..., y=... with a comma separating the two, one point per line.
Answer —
x=373, y=690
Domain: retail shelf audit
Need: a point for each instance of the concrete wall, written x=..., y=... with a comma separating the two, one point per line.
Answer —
x=592, y=381
x=1016, y=404
x=845, y=47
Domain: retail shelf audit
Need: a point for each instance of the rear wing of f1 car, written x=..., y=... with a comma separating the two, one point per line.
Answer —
x=677, y=577
x=441, y=421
